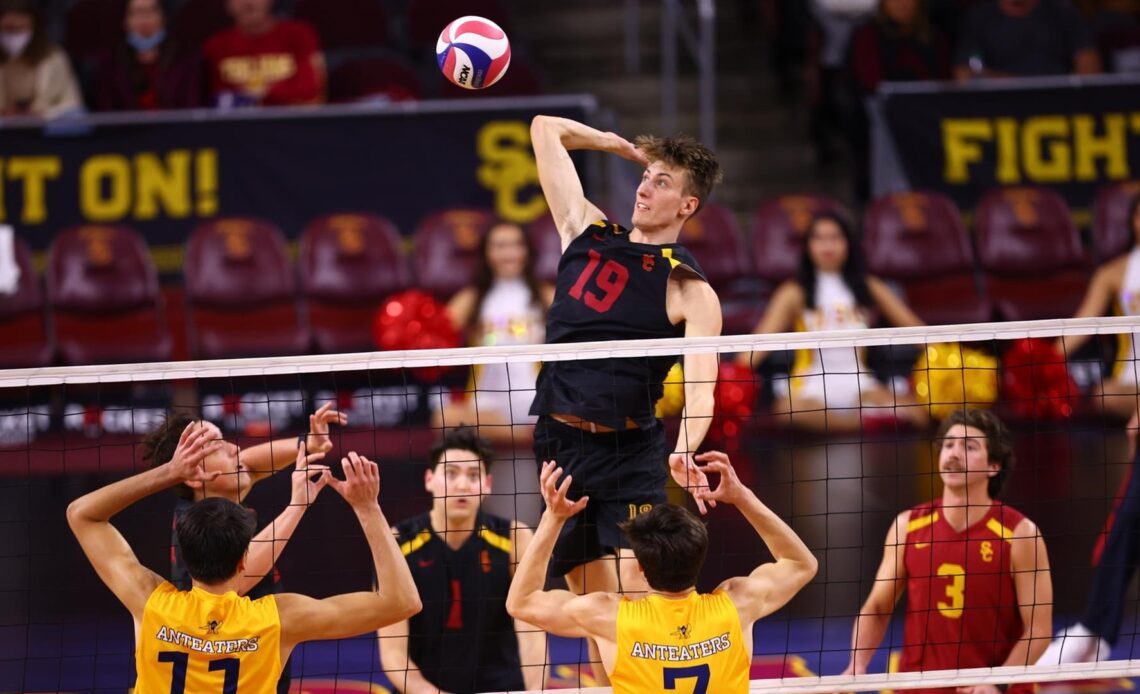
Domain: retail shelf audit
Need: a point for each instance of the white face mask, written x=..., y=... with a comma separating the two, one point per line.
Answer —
x=15, y=43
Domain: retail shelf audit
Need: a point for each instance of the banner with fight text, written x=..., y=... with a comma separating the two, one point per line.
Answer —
x=1073, y=135
x=165, y=173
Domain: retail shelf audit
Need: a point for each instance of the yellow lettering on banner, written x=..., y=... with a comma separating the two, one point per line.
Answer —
x=960, y=146
x=164, y=186
x=105, y=188
x=34, y=172
x=507, y=168
x=1045, y=150
x=1112, y=147
x=206, y=180
x=1008, y=167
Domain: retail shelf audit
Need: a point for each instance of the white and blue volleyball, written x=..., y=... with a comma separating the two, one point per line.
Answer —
x=473, y=52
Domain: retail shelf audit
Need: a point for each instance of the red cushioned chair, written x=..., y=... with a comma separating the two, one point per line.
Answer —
x=27, y=342
x=349, y=262
x=104, y=293
x=1031, y=253
x=918, y=240
x=778, y=229
x=241, y=291
x=714, y=238
x=446, y=246
x=345, y=23
x=1112, y=232
x=426, y=18
x=363, y=78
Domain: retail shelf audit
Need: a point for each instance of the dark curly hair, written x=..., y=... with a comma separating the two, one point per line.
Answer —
x=999, y=442
x=158, y=446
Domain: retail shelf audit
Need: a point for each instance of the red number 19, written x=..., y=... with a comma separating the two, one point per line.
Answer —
x=611, y=280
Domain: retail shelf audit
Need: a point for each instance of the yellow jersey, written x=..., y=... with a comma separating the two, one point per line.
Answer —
x=199, y=642
x=690, y=644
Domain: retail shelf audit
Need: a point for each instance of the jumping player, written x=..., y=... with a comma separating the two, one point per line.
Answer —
x=975, y=571
x=596, y=416
x=208, y=638
x=674, y=634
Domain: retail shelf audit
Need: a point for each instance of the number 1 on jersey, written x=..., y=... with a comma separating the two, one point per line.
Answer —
x=611, y=280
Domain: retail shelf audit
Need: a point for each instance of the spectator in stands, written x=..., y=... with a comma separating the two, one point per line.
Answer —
x=36, y=78
x=147, y=71
x=898, y=45
x=505, y=305
x=1116, y=283
x=262, y=60
x=1023, y=38
x=835, y=20
x=833, y=389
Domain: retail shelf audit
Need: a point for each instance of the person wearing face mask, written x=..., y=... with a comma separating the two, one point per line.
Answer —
x=505, y=305
x=147, y=71
x=36, y=78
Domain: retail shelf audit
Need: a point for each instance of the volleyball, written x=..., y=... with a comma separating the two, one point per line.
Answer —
x=473, y=52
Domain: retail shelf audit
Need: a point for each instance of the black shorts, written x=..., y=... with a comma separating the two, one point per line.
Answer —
x=623, y=473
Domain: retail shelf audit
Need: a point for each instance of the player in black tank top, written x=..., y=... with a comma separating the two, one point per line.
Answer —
x=462, y=560
x=596, y=417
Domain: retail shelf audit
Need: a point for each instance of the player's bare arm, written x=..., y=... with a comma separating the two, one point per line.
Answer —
x=267, y=458
x=693, y=301
x=308, y=480
x=395, y=597
x=553, y=139
x=1029, y=563
x=771, y=585
x=398, y=666
x=90, y=518
x=875, y=615
x=532, y=640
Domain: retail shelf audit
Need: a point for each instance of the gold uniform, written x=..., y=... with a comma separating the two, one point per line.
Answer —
x=199, y=642
x=691, y=644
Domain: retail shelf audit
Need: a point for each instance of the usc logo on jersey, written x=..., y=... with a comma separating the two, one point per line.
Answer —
x=987, y=551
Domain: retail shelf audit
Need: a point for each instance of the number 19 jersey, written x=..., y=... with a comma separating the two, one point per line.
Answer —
x=961, y=606
x=610, y=288
x=201, y=642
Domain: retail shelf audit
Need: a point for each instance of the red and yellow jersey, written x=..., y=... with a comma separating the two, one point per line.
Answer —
x=961, y=605
x=196, y=641
x=691, y=644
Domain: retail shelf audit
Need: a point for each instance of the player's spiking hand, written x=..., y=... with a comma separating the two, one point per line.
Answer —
x=690, y=478
x=195, y=443
x=308, y=479
x=554, y=494
x=318, y=439
x=627, y=150
x=729, y=489
x=361, y=485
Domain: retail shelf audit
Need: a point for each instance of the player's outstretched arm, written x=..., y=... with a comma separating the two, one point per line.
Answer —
x=395, y=597
x=875, y=615
x=1033, y=583
x=90, y=518
x=267, y=458
x=770, y=586
x=532, y=640
x=553, y=138
x=526, y=600
x=701, y=313
x=267, y=545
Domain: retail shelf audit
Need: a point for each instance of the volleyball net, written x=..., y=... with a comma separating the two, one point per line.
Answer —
x=834, y=431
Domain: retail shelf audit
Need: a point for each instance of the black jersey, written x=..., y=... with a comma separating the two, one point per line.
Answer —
x=463, y=640
x=610, y=288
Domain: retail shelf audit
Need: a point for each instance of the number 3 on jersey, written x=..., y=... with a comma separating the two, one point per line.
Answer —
x=955, y=590
x=611, y=279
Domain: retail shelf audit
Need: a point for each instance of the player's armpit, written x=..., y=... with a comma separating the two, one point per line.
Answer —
x=338, y=617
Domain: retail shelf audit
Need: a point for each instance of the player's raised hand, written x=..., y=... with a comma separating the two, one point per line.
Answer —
x=319, y=421
x=729, y=489
x=308, y=479
x=627, y=150
x=195, y=443
x=690, y=478
x=554, y=494
x=361, y=485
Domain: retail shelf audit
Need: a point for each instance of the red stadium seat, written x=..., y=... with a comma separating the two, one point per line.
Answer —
x=241, y=291
x=364, y=78
x=104, y=292
x=349, y=263
x=714, y=238
x=778, y=229
x=426, y=18
x=918, y=239
x=345, y=23
x=1031, y=253
x=1112, y=233
x=196, y=20
x=23, y=323
x=92, y=27
x=446, y=245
